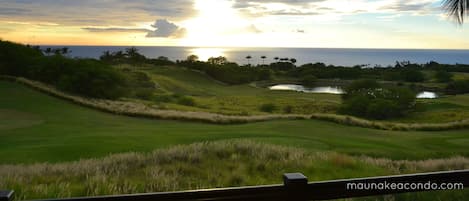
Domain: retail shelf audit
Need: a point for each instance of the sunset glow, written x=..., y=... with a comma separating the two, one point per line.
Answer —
x=219, y=23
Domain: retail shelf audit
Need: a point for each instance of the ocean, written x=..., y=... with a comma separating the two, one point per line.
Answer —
x=334, y=56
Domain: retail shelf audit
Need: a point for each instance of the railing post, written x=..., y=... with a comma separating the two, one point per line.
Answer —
x=296, y=185
x=6, y=195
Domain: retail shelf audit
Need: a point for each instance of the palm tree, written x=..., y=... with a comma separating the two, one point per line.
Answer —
x=65, y=50
x=263, y=59
x=293, y=60
x=48, y=51
x=249, y=58
x=457, y=9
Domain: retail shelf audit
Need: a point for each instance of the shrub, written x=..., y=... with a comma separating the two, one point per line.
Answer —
x=412, y=75
x=85, y=77
x=93, y=79
x=163, y=98
x=458, y=87
x=268, y=107
x=369, y=99
x=443, y=76
x=309, y=81
x=187, y=101
x=288, y=109
x=146, y=94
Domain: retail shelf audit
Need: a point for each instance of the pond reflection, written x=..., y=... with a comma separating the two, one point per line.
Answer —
x=300, y=88
x=335, y=90
x=427, y=95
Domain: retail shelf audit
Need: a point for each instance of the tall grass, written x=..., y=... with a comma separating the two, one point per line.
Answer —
x=198, y=166
x=141, y=110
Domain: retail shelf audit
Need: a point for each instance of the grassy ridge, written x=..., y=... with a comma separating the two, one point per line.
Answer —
x=62, y=131
x=207, y=165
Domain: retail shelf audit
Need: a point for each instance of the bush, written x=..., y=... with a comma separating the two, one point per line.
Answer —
x=187, y=101
x=412, y=75
x=309, y=81
x=360, y=85
x=85, y=77
x=163, y=98
x=458, y=87
x=145, y=94
x=288, y=109
x=268, y=107
x=382, y=109
x=93, y=79
x=443, y=76
x=374, y=101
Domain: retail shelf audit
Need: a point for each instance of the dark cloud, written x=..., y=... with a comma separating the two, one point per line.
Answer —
x=315, y=7
x=163, y=29
x=249, y=3
x=406, y=6
x=293, y=7
x=116, y=29
x=166, y=29
x=13, y=11
x=95, y=13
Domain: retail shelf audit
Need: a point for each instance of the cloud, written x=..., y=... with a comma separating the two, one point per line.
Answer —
x=325, y=7
x=166, y=29
x=95, y=13
x=253, y=29
x=300, y=31
x=163, y=29
x=116, y=29
x=12, y=11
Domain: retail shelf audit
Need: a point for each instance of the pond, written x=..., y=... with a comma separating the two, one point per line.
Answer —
x=427, y=95
x=335, y=90
x=300, y=88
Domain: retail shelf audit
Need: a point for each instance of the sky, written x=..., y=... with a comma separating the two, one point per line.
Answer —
x=415, y=24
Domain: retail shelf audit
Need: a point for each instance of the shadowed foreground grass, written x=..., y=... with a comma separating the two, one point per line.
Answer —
x=208, y=165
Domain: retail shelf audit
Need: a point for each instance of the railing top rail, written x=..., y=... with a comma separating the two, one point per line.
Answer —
x=295, y=187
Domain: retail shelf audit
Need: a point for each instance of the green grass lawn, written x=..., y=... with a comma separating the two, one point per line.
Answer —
x=213, y=96
x=55, y=131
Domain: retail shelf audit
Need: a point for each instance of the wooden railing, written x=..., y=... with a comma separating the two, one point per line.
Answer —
x=297, y=188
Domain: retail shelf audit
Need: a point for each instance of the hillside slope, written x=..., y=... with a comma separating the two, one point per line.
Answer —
x=35, y=127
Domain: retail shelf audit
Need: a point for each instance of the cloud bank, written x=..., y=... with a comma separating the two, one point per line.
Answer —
x=95, y=13
x=163, y=29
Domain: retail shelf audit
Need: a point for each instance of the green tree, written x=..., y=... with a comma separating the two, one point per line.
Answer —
x=412, y=75
x=308, y=81
x=65, y=51
x=263, y=59
x=48, y=51
x=249, y=57
x=192, y=58
x=293, y=60
x=217, y=60
x=367, y=98
x=443, y=76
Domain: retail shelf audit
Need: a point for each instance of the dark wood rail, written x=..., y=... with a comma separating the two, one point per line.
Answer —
x=297, y=188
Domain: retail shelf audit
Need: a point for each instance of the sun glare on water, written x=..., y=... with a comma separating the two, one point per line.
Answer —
x=205, y=53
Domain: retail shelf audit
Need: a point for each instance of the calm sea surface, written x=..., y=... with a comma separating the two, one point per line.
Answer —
x=346, y=57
